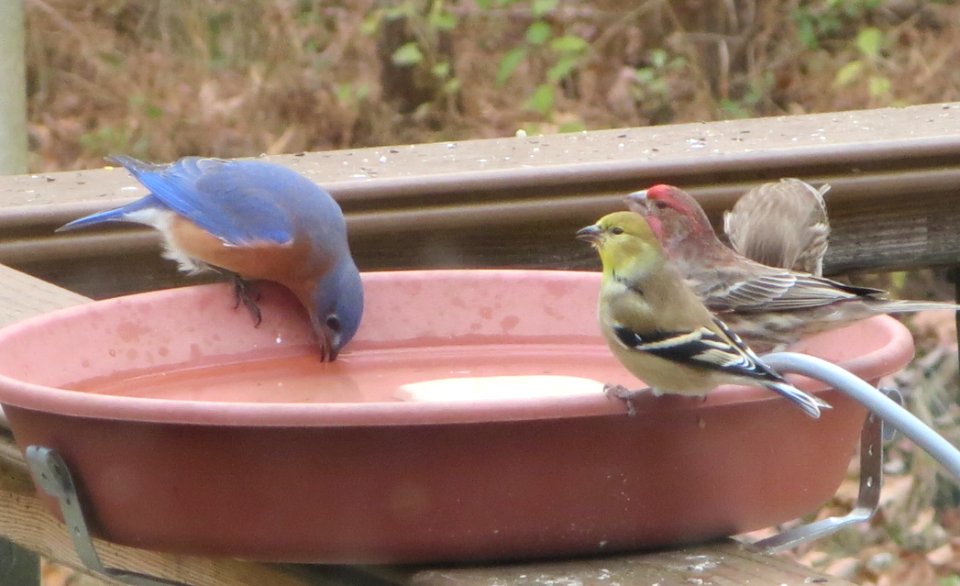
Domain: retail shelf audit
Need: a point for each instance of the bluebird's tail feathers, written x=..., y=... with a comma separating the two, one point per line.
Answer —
x=810, y=404
x=113, y=215
x=135, y=166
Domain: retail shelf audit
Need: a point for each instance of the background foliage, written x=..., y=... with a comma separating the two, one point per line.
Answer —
x=213, y=77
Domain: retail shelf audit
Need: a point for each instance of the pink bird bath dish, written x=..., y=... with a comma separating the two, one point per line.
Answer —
x=466, y=421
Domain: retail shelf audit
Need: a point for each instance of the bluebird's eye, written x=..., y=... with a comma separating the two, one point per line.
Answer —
x=616, y=230
x=333, y=323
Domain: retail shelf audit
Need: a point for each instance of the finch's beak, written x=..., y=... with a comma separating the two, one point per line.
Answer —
x=590, y=234
x=637, y=201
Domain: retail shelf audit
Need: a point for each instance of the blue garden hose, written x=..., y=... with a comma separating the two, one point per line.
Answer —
x=887, y=409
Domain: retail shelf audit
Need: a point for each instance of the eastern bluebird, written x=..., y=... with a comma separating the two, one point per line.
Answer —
x=256, y=220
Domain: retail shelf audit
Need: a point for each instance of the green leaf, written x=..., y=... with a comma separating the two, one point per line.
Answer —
x=444, y=21
x=395, y=12
x=807, y=34
x=879, y=86
x=644, y=75
x=658, y=58
x=569, y=44
x=953, y=580
x=538, y=33
x=441, y=19
x=407, y=55
x=451, y=86
x=509, y=64
x=732, y=109
x=562, y=68
x=870, y=41
x=371, y=23
x=848, y=73
x=483, y=4
x=153, y=111
x=572, y=126
x=344, y=92
x=542, y=99
x=441, y=70
x=541, y=7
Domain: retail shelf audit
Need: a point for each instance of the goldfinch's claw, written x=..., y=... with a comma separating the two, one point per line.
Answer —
x=624, y=394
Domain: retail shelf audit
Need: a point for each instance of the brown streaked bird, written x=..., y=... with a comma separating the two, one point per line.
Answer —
x=781, y=224
x=768, y=306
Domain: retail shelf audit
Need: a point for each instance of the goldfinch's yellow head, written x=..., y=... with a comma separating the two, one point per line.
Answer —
x=624, y=241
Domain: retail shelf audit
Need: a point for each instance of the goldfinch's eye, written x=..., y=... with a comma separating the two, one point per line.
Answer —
x=616, y=230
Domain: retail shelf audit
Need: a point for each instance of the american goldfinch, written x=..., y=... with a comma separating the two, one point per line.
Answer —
x=658, y=328
x=781, y=224
x=768, y=306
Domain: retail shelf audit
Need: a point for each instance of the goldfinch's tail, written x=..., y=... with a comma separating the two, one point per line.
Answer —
x=810, y=404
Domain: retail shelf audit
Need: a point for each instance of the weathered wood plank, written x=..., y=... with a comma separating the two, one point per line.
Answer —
x=23, y=296
x=725, y=563
x=516, y=201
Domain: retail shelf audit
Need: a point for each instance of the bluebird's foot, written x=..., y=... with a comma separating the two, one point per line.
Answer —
x=626, y=395
x=246, y=292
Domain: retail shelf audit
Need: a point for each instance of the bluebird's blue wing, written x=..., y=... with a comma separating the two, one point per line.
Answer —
x=239, y=202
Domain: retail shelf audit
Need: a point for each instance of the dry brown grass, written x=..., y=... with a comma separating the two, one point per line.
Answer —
x=161, y=80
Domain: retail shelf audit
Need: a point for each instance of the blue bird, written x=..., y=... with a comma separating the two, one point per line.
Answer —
x=256, y=220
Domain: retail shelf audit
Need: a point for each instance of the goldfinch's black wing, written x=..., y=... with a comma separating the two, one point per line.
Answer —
x=703, y=348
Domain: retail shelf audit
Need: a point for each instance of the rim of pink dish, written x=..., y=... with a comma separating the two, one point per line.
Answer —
x=574, y=293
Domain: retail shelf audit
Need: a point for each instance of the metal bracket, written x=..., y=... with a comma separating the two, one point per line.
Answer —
x=51, y=474
x=868, y=498
x=894, y=394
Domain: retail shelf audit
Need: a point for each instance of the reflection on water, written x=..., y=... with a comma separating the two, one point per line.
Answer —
x=471, y=372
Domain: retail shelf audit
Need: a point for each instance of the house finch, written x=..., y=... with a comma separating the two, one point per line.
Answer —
x=768, y=306
x=782, y=224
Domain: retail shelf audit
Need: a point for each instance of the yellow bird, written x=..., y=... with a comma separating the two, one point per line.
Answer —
x=658, y=328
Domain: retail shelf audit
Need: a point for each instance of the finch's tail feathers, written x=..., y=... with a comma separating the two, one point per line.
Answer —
x=904, y=306
x=810, y=404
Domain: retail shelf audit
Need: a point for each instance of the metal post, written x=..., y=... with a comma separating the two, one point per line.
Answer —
x=13, y=89
x=953, y=275
x=18, y=566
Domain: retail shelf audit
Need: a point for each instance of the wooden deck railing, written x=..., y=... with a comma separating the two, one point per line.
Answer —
x=516, y=201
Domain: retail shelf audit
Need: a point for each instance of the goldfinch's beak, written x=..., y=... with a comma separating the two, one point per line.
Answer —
x=637, y=199
x=590, y=234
